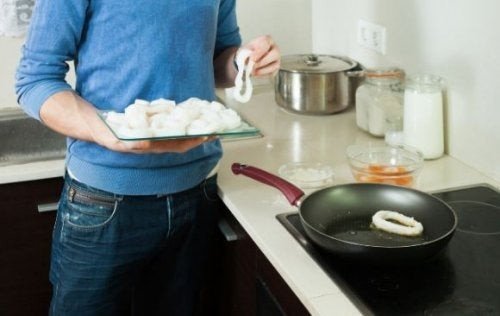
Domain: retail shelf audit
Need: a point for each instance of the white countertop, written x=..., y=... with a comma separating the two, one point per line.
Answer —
x=293, y=137
x=287, y=137
x=32, y=171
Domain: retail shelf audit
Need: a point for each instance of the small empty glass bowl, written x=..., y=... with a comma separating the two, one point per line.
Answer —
x=307, y=175
x=396, y=165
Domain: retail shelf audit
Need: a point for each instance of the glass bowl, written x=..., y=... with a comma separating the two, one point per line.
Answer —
x=397, y=165
x=307, y=175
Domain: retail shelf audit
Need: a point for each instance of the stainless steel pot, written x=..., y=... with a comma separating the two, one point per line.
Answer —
x=317, y=84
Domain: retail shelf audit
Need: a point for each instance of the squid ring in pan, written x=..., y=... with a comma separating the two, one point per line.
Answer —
x=400, y=224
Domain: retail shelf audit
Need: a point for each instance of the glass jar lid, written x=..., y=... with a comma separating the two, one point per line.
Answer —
x=385, y=73
x=312, y=63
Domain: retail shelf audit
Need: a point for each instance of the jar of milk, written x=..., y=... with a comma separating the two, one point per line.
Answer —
x=423, y=126
x=379, y=100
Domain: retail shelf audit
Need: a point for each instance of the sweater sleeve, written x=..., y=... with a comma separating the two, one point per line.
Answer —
x=228, y=32
x=52, y=40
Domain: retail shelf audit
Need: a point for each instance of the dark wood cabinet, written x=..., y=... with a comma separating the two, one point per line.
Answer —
x=274, y=297
x=244, y=282
x=25, y=240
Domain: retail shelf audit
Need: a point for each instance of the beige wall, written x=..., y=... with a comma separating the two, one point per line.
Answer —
x=456, y=39
x=288, y=21
x=9, y=57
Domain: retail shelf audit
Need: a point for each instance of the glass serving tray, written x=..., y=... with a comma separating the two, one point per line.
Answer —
x=244, y=130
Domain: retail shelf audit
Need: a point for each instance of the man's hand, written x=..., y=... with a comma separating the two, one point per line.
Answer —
x=157, y=146
x=265, y=54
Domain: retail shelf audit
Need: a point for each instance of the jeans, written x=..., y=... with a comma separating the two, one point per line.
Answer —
x=130, y=255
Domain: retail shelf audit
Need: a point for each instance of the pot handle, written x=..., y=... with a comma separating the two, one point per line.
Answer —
x=357, y=71
x=291, y=192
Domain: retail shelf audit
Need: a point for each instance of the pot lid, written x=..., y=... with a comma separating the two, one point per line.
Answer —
x=315, y=63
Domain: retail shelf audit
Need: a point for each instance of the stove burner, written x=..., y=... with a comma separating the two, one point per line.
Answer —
x=462, y=306
x=477, y=217
x=385, y=284
x=463, y=280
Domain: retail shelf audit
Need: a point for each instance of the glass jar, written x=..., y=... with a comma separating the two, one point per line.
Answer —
x=423, y=114
x=379, y=101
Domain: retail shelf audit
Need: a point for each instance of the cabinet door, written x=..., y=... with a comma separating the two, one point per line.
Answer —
x=25, y=240
x=244, y=282
x=274, y=296
x=230, y=288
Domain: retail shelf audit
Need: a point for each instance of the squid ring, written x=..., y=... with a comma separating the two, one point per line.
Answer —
x=400, y=224
x=245, y=69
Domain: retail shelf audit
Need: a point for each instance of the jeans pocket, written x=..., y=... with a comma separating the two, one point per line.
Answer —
x=87, y=209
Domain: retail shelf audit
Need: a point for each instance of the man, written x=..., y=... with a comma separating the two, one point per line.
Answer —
x=134, y=217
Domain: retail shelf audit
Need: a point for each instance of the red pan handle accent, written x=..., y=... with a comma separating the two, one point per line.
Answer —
x=291, y=192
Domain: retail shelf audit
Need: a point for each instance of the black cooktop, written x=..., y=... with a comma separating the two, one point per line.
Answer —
x=463, y=280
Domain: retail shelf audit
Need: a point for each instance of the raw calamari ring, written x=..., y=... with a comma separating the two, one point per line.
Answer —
x=402, y=225
x=243, y=68
x=163, y=118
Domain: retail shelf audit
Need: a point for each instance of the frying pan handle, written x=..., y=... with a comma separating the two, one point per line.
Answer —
x=291, y=192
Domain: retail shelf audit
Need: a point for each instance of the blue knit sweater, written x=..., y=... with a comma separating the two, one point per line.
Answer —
x=125, y=50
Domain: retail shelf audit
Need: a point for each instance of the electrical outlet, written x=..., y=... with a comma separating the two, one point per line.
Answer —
x=371, y=36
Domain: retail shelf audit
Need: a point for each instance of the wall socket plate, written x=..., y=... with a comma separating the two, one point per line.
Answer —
x=372, y=36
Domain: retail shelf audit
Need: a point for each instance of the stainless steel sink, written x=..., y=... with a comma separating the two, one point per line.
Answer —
x=24, y=139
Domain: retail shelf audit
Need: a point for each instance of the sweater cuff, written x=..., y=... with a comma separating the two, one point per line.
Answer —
x=32, y=100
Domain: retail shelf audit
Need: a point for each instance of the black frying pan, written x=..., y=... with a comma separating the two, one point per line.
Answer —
x=338, y=219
